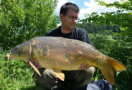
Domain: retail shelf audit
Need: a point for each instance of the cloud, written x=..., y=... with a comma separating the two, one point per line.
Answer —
x=90, y=6
x=93, y=6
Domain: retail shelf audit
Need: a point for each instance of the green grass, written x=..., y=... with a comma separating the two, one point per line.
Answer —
x=16, y=75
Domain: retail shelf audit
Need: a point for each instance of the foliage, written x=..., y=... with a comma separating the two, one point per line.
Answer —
x=16, y=74
x=124, y=4
x=93, y=28
x=21, y=20
x=113, y=46
x=24, y=19
x=121, y=18
x=12, y=73
x=116, y=45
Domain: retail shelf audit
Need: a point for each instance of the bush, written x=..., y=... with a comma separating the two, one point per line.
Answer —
x=114, y=46
x=23, y=19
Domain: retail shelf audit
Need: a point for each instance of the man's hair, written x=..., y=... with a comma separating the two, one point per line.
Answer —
x=68, y=5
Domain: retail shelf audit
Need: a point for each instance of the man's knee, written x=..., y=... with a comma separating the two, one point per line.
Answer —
x=49, y=73
x=87, y=74
x=47, y=78
x=90, y=72
x=83, y=78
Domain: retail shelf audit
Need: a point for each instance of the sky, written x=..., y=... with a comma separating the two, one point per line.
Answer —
x=87, y=6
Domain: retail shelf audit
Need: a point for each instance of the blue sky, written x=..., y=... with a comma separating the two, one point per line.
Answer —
x=80, y=3
x=87, y=6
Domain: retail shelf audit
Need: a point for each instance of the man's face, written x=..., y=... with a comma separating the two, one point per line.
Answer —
x=69, y=20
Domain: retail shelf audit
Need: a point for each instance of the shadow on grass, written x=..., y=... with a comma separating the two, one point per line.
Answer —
x=35, y=88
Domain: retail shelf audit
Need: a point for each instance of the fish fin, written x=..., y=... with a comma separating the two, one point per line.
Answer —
x=108, y=70
x=118, y=66
x=60, y=75
x=33, y=66
x=108, y=73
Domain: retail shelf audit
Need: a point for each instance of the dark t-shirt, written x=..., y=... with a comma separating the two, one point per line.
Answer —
x=77, y=33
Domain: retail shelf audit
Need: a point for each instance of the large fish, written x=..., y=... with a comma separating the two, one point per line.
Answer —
x=59, y=53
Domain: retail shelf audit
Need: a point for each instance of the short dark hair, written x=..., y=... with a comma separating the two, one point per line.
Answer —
x=68, y=5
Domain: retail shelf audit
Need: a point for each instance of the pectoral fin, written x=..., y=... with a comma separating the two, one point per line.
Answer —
x=60, y=75
x=33, y=66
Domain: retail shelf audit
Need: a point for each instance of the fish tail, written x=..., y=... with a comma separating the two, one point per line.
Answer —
x=108, y=70
x=118, y=66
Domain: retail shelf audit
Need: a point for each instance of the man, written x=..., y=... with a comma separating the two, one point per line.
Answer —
x=74, y=80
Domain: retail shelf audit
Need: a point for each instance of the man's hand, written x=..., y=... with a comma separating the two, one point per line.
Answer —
x=84, y=67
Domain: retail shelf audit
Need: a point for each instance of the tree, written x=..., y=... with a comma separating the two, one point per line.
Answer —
x=122, y=46
x=23, y=19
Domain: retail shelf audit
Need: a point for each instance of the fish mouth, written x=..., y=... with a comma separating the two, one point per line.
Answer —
x=35, y=65
x=8, y=55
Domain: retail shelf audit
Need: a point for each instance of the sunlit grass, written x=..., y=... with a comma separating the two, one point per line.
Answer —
x=16, y=75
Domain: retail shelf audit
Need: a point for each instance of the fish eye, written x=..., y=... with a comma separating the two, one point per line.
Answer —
x=14, y=50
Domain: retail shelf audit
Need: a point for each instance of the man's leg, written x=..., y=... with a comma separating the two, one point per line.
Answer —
x=73, y=79
x=79, y=78
x=47, y=78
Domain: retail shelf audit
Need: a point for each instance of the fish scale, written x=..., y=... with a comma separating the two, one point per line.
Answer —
x=59, y=53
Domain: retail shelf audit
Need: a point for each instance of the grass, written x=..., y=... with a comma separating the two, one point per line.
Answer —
x=16, y=75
